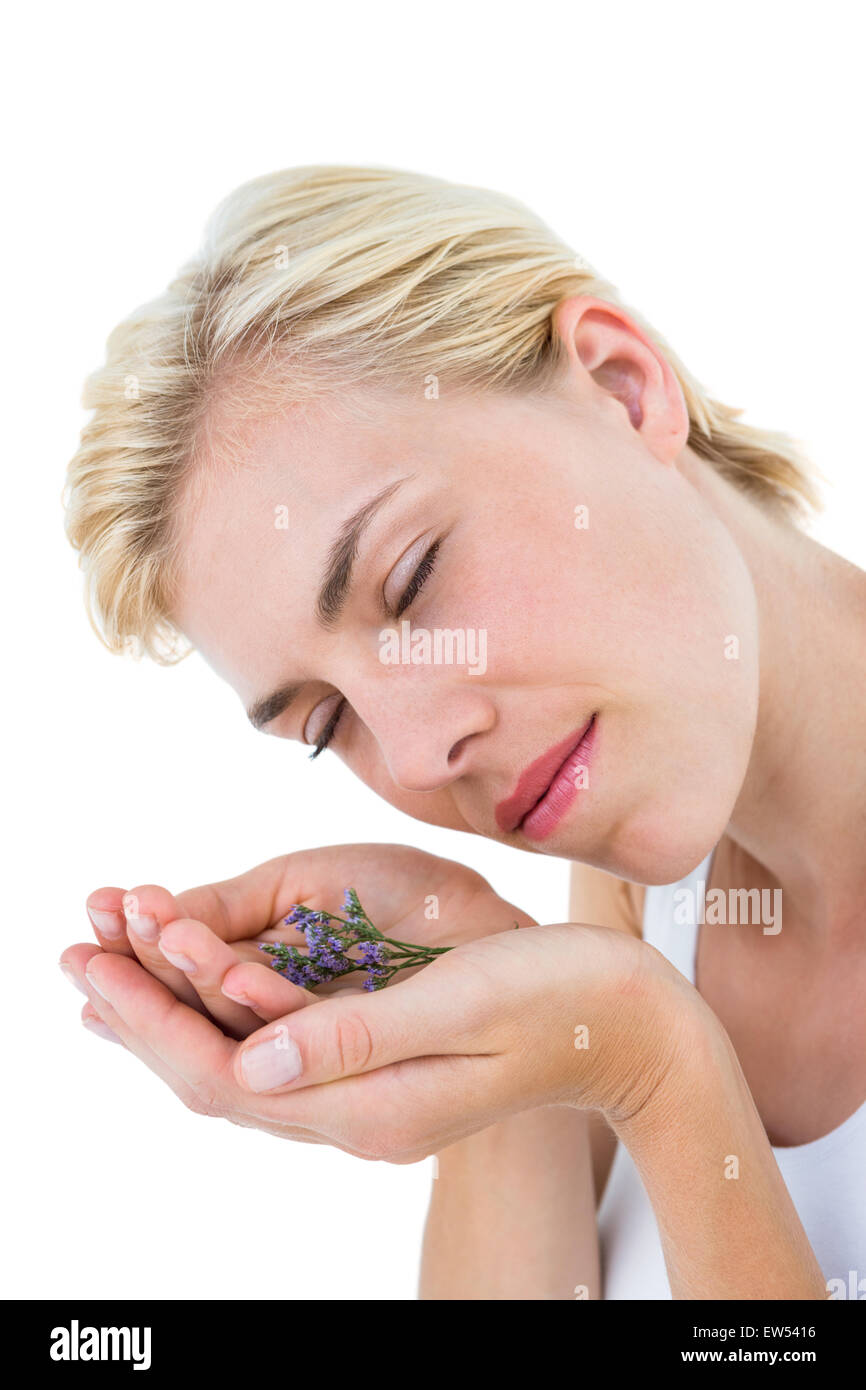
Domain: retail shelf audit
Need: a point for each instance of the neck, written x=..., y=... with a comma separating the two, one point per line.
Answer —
x=801, y=811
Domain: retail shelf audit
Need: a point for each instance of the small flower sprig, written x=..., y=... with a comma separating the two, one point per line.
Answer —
x=328, y=948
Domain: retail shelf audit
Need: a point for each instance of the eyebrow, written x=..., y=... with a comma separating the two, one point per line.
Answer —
x=331, y=598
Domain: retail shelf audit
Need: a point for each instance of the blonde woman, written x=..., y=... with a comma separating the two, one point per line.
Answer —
x=469, y=433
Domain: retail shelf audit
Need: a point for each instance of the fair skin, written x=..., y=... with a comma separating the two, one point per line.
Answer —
x=627, y=619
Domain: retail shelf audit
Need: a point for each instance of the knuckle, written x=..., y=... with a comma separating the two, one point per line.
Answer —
x=191, y=1102
x=203, y=1099
x=135, y=897
x=353, y=1044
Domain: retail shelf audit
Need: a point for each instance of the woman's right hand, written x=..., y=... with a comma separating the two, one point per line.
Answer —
x=204, y=943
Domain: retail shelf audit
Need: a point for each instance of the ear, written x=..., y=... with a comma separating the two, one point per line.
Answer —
x=607, y=352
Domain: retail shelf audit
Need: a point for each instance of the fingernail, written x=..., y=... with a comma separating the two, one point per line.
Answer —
x=272, y=1063
x=176, y=958
x=90, y=980
x=102, y=1029
x=144, y=926
x=72, y=978
x=106, y=923
x=238, y=999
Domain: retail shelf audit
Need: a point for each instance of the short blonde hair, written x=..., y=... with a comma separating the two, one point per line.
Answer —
x=323, y=279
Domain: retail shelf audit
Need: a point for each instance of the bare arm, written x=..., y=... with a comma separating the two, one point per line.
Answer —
x=513, y=1210
x=595, y=896
x=728, y=1226
x=512, y=1215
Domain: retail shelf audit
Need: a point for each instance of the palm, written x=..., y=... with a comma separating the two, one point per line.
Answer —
x=409, y=895
x=405, y=892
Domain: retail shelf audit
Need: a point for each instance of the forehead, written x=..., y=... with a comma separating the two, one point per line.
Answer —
x=259, y=517
x=262, y=511
x=255, y=524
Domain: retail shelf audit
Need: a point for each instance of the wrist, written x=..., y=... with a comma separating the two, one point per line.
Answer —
x=634, y=1019
x=691, y=1070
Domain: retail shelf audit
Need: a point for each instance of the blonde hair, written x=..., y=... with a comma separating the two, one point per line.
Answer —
x=319, y=280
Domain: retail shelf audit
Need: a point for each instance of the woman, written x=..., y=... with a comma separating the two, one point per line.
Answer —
x=379, y=405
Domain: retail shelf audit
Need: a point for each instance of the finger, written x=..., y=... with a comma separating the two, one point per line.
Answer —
x=148, y=909
x=105, y=911
x=262, y=990
x=345, y=1037
x=94, y=1024
x=240, y=907
x=402, y=1112
x=254, y=901
x=206, y=960
x=181, y=1036
x=76, y=960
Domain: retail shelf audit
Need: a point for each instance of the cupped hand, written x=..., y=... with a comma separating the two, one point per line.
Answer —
x=565, y=1014
x=190, y=942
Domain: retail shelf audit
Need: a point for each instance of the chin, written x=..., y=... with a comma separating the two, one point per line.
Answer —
x=669, y=822
x=666, y=849
x=659, y=846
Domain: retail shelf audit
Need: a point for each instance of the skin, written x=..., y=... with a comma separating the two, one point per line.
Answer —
x=630, y=618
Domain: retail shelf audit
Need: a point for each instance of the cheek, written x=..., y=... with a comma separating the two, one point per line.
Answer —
x=683, y=724
x=657, y=610
x=364, y=758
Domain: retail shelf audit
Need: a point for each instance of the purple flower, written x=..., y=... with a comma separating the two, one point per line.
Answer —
x=299, y=913
x=327, y=955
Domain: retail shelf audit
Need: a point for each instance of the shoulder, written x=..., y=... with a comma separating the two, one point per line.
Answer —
x=604, y=900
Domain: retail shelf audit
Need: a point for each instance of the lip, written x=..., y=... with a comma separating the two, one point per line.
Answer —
x=546, y=788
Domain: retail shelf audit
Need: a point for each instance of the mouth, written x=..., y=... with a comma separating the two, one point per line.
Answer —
x=548, y=786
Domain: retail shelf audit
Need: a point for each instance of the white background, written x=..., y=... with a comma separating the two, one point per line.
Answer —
x=707, y=158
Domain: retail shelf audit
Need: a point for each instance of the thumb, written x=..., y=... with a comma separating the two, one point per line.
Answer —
x=351, y=1034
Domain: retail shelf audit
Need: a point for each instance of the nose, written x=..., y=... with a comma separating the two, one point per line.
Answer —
x=427, y=724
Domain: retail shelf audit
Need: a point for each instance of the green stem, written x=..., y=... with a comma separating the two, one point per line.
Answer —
x=413, y=946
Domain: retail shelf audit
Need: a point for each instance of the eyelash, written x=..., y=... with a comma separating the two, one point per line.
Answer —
x=419, y=578
x=413, y=588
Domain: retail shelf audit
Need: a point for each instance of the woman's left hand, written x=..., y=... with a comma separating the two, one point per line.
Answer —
x=548, y=1015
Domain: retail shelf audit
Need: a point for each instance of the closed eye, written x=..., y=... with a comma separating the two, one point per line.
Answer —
x=413, y=588
x=419, y=578
x=329, y=730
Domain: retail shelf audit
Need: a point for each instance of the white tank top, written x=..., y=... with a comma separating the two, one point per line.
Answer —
x=826, y=1178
